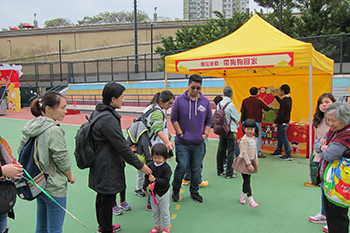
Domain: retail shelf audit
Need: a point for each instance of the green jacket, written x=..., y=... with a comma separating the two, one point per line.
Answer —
x=51, y=147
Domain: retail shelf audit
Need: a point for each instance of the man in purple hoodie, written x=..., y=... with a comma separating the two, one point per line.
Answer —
x=191, y=117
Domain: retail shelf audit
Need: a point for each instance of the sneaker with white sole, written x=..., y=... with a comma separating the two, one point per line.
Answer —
x=139, y=193
x=116, y=210
x=242, y=199
x=116, y=228
x=204, y=183
x=253, y=204
x=287, y=158
x=124, y=205
x=185, y=182
x=318, y=218
x=325, y=228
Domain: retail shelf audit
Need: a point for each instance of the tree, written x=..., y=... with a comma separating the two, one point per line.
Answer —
x=113, y=18
x=58, y=22
x=200, y=34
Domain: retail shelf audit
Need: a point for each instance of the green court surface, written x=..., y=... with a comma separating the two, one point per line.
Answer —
x=284, y=202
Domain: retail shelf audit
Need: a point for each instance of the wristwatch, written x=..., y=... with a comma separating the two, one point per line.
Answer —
x=181, y=135
x=206, y=135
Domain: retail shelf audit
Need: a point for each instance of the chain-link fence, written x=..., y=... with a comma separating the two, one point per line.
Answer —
x=336, y=47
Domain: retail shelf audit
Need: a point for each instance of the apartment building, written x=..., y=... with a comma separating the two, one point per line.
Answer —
x=197, y=9
x=229, y=7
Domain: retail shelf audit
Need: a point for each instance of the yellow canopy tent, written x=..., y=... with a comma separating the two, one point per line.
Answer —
x=257, y=54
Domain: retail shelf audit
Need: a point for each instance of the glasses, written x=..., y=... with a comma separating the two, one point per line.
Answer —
x=193, y=88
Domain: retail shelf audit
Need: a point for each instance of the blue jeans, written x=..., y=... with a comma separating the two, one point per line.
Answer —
x=258, y=141
x=50, y=216
x=283, y=139
x=3, y=223
x=188, y=155
x=225, y=142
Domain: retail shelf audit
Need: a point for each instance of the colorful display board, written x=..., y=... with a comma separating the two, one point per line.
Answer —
x=9, y=76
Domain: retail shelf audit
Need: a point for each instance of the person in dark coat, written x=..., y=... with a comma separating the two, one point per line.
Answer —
x=106, y=175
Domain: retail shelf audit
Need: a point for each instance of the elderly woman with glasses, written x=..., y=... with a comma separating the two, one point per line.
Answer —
x=334, y=145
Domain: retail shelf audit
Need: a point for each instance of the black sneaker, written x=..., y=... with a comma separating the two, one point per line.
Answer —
x=276, y=154
x=196, y=197
x=283, y=157
x=139, y=193
x=175, y=196
x=261, y=156
x=287, y=158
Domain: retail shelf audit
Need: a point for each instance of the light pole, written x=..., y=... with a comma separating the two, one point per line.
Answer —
x=135, y=29
x=10, y=48
x=60, y=52
x=152, y=46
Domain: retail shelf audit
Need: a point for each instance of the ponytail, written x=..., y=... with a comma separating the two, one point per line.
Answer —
x=35, y=108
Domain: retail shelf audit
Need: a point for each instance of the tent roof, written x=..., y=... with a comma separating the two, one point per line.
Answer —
x=256, y=38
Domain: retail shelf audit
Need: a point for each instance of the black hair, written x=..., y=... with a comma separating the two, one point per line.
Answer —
x=217, y=99
x=110, y=90
x=195, y=78
x=285, y=88
x=50, y=98
x=250, y=123
x=161, y=150
x=253, y=91
x=163, y=96
x=318, y=116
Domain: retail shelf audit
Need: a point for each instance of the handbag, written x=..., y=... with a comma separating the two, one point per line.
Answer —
x=7, y=196
x=337, y=182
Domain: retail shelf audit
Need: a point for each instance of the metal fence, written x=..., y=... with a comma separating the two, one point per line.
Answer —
x=336, y=47
x=49, y=74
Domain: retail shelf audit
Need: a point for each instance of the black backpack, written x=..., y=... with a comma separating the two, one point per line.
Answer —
x=220, y=125
x=84, y=145
x=27, y=186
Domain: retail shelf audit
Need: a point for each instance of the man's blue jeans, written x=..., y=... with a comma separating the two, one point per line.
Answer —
x=283, y=139
x=50, y=216
x=188, y=155
x=3, y=223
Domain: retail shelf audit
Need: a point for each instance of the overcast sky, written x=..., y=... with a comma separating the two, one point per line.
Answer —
x=14, y=12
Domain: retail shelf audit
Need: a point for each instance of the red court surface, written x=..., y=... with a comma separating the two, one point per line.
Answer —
x=78, y=119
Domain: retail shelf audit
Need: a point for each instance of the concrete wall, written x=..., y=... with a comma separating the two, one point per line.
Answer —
x=81, y=43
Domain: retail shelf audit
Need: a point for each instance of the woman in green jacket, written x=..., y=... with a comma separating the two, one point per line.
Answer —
x=53, y=158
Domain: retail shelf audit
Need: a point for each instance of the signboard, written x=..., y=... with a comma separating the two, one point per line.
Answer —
x=285, y=59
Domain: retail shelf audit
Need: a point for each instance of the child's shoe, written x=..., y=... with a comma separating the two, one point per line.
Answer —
x=325, y=228
x=125, y=206
x=242, y=199
x=156, y=229
x=253, y=204
x=149, y=207
x=116, y=210
x=166, y=230
x=204, y=183
x=318, y=218
x=139, y=193
x=116, y=228
x=185, y=182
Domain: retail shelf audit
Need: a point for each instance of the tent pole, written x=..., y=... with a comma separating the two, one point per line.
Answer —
x=310, y=109
x=166, y=80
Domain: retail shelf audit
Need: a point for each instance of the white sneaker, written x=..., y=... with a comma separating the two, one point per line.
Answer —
x=325, y=228
x=319, y=218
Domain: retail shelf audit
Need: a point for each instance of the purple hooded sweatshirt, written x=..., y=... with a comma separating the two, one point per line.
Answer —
x=192, y=116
